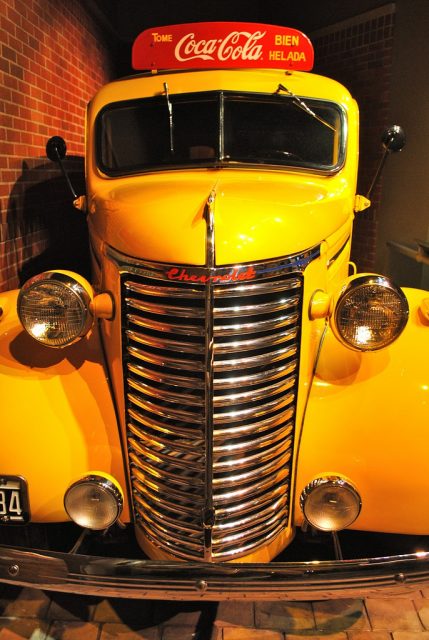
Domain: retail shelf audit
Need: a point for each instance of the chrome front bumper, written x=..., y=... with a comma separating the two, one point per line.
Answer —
x=124, y=578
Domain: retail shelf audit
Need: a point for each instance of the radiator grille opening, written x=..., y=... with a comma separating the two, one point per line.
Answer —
x=256, y=333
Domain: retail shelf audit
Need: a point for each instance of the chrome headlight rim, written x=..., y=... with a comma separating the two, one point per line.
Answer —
x=102, y=483
x=71, y=283
x=356, y=284
x=329, y=482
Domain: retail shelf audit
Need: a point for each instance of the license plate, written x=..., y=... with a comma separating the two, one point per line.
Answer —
x=13, y=500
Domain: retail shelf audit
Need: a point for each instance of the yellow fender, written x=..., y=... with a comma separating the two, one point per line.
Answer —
x=57, y=419
x=367, y=419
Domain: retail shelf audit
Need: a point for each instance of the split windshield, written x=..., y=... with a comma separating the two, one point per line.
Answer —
x=219, y=129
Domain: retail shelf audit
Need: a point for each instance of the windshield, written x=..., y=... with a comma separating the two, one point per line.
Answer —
x=219, y=129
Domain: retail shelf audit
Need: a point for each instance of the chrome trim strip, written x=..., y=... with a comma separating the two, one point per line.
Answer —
x=254, y=288
x=255, y=503
x=252, y=309
x=261, y=410
x=180, y=346
x=255, y=394
x=167, y=396
x=255, y=343
x=168, y=327
x=258, y=426
x=257, y=360
x=164, y=309
x=165, y=292
x=267, y=269
x=171, y=413
x=157, y=485
x=153, y=459
x=270, y=456
x=133, y=578
x=209, y=511
x=184, y=446
x=177, y=507
x=259, y=487
x=174, y=380
x=338, y=253
x=257, y=378
x=251, y=327
x=243, y=520
x=176, y=363
x=151, y=423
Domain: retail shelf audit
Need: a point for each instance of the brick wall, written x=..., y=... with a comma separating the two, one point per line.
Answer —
x=53, y=58
x=358, y=53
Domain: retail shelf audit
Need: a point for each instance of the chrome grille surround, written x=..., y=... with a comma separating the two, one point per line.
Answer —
x=211, y=366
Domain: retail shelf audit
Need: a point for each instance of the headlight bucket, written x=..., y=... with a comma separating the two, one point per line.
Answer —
x=370, y=313
x=94, y=502
x=54, y=308
x=330, y=503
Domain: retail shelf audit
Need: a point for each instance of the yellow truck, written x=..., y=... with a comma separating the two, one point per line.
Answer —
x=227, y=390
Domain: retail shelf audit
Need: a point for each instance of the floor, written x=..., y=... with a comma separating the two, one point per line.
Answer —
x=39, y=615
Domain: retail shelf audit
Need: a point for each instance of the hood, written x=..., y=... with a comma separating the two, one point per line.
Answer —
x=160, y=217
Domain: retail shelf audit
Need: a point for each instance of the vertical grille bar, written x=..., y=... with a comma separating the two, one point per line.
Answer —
x=209, y=510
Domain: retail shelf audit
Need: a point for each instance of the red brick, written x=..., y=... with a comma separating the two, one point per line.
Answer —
x=24, y=603
x=387, y=614
x=243, y=633
x=369, y=635
x=230, y=614
x=340, y=615
x=117, y=610
x=21, y=628
x=285, y=616
x=125, y=632
x=74, y=630
x=422, y=606
x=34, y=36
x=410, y=635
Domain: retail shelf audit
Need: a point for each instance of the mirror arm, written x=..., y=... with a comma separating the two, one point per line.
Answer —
x=56, y=150
x=393, y=140
x=377, y=173
x=65, y=174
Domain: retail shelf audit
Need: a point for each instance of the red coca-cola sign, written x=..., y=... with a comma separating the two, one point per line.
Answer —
x=215, y=45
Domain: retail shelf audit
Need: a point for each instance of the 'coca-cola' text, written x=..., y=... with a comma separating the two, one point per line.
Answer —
x=237, y=45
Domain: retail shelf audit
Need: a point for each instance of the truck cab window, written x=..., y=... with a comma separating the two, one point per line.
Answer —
x=219, y=129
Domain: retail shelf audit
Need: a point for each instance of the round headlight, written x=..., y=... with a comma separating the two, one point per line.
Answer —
x=370, y=313
x=54, y=308
x=94, y=502
x=330, y=503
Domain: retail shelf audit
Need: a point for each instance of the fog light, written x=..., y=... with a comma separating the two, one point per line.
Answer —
x=95, y=502
x=54, y=308
x=370, y=313
x=330, y=503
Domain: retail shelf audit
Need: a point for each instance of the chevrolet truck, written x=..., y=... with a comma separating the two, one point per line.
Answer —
x=226, y=389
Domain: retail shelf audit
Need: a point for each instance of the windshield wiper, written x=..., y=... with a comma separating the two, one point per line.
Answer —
x=170, y=117
x=302, y=105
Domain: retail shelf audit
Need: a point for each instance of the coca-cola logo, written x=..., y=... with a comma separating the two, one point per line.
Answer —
x=237, y=45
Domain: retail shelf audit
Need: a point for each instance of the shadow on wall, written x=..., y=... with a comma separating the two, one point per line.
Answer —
x=43, y=230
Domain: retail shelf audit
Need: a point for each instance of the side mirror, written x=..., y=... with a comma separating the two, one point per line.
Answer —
x=56, y=149
x=393, y=138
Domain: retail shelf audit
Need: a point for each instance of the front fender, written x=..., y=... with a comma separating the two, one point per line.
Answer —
x=57, y=419
x=368, y=419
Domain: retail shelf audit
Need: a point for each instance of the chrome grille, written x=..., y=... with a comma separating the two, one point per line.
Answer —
x=210, y=426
